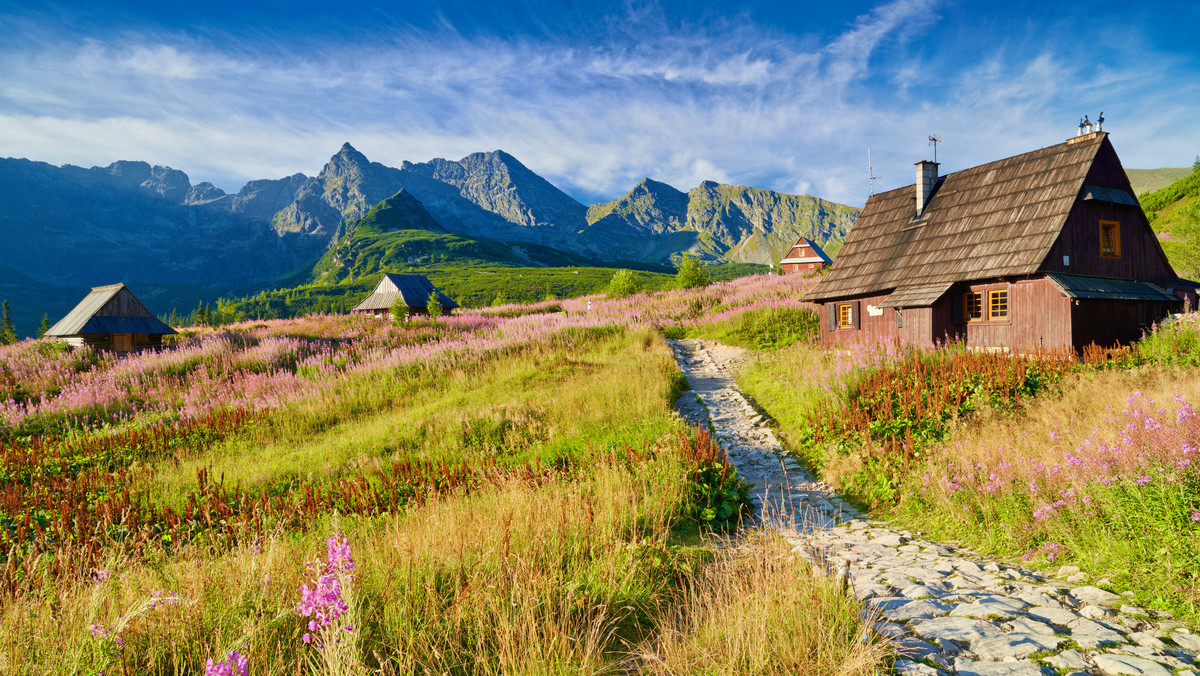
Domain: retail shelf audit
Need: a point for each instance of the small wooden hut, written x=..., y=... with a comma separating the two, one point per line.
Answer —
x=804, y=258
x=411, y=290
x=111, y=318
x=1049, y=249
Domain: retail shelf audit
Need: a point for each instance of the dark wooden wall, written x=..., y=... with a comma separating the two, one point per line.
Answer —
x=1106, y=322
x=124, y=304
x=1142, y=257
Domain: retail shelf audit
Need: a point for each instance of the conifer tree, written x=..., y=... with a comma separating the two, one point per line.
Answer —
x=45, y=325
x=434, y=304
x=8, y=332
x=174, y=317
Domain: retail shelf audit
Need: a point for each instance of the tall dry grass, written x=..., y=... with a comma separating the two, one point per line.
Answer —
x=761, y=609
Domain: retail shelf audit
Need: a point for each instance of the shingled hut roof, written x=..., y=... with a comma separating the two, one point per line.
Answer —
x=109, y=309
x=412, y=290
x=994, y=220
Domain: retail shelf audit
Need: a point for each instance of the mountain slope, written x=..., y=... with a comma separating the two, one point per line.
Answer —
x=1174, y=213
x=714, y=221
x=131, y=221
x=398, y=233
x=1149, y=180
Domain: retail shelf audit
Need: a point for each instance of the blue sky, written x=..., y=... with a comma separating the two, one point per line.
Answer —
x=596, y=95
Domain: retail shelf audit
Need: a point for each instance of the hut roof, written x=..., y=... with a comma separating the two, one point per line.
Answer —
x=820, y=257
x=994, y=220
x=412, y=290
x=109, y=309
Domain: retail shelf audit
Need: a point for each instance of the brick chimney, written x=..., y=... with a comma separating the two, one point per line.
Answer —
x=927, y=176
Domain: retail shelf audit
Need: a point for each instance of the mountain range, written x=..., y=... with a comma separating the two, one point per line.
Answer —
x=131, y=221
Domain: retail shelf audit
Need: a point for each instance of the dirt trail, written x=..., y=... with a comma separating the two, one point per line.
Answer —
x=948, y=610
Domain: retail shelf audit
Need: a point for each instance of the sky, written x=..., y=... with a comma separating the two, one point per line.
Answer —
x=595, y=95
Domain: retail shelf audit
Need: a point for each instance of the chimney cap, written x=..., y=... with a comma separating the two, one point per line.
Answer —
x=917, y=164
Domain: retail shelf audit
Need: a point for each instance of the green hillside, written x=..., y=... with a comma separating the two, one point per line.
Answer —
x=1174, y=214
x=1148, y=180
x=399, y=235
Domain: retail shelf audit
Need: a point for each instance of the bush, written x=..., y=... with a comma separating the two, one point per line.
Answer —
x=623, y=284
x=691, y=274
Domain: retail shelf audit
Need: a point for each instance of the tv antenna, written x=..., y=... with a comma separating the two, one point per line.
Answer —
x=871, y=172
x=934, y=140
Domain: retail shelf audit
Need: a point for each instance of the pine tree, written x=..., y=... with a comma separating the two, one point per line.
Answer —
x=434, y=304
x=1196, y=165
x=45, y=325
x=174, y=317
x=8, y=332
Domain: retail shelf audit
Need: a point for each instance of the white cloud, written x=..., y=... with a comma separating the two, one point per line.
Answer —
x=735, y=103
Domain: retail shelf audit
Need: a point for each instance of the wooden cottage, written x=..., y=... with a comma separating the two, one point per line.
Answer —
x=412, y=290
x=805, y=258
x=1049, y=249
x=111, y=318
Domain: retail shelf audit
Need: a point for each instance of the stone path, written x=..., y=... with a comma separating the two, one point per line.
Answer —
x=947, y=610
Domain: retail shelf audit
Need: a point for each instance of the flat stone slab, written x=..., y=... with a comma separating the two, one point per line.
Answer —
x=991, y=606
x=1187, y=641
x=909, y=668
x=1028, y=625
x=918, y=610
x=956, y=629
x=1067, y=659
x=1014, y=645
x=1019, y=668
x=1059, y=616
x=1128, y=665
x=1093, y=596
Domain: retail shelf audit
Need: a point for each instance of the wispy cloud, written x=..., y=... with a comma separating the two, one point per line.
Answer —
x=734, y=101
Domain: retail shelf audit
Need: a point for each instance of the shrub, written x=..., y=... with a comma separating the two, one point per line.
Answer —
x=691, y=274
x=623, y=284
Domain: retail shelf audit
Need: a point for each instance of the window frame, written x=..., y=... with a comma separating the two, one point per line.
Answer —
x=1114, y=228
x=968, y=296
x=992, y=314
x=845, y=314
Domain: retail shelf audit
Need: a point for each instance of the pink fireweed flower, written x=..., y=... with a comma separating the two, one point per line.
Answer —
x=1143, y=480
x=234, y=664
x=338, y=553
x=1195, y=515
x=322, y=603
x=100, y=576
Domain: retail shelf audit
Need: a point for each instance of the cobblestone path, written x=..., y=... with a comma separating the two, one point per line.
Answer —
x=947, y=610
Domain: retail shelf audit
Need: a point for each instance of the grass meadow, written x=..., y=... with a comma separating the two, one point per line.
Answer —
x=502, y=492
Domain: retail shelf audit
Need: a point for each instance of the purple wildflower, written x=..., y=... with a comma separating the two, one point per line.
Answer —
x=100, y=576
x=338, y=552
x=1195, y=515
x=1143, y=480
x=234, y=664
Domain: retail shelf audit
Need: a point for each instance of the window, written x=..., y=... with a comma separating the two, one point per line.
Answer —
x=998, y=304
x=973, y=305
x=845, y=316
x=1110, y=239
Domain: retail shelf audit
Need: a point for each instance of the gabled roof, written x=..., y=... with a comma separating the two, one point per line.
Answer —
x=412, y=290
x=994, y=220
x=820, y=257
x=109, y=309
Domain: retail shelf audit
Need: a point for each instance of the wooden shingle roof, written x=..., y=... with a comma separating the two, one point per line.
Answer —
x=109, y=309
x=994, y=220
x=412, y=290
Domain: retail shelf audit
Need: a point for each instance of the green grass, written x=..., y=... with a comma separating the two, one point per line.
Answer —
x=1174, y=213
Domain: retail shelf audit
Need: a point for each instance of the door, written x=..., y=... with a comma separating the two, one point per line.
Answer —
x=123, y=342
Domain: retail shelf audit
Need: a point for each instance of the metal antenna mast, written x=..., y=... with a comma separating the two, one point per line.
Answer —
x=934, y=140
x=871, y=172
